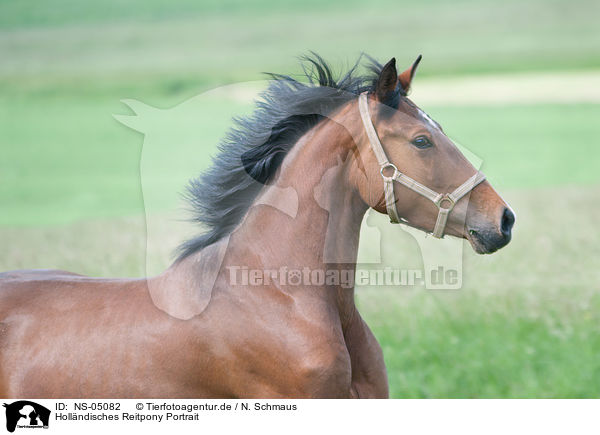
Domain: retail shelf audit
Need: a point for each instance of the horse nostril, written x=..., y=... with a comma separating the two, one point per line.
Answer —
x=508, y=220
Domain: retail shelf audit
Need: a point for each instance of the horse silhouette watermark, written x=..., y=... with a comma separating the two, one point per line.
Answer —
x=26, y=414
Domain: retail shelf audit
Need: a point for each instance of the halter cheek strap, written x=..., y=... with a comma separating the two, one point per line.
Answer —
x=390, y=173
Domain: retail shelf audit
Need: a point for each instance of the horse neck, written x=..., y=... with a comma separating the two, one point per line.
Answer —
x=310, y=215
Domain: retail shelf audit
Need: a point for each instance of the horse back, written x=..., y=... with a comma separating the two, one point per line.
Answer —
x=20, y=280
x=28, y=274
x=25, y=288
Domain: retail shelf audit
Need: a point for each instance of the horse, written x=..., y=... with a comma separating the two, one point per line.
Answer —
x=288, y=191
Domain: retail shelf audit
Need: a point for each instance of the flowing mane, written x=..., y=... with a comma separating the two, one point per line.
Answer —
x=254, y=148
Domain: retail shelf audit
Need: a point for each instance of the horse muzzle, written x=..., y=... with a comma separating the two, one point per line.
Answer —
x=487, y=239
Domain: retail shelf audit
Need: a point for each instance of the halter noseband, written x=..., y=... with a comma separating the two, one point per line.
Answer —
x=444, y=202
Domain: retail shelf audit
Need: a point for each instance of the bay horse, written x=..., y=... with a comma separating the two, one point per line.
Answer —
x=287, y=191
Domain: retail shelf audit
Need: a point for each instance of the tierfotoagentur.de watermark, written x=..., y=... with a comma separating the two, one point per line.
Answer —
x=345, y=278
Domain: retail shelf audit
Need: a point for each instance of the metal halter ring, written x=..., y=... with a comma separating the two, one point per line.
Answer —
x=442, y=200
x=389, y=165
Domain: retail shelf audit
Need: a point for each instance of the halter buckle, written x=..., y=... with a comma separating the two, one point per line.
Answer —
x=388, y=166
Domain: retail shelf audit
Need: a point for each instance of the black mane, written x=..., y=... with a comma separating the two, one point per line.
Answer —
x=253, y=150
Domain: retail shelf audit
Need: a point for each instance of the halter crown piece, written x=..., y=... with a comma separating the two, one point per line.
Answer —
x=390, y=173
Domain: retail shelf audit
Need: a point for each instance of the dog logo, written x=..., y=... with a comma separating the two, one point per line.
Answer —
x=26, y=414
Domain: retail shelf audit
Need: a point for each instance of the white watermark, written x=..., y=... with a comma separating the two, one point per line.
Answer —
x=338, y=277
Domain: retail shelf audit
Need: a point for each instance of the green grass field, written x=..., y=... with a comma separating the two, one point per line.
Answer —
x=527, y=321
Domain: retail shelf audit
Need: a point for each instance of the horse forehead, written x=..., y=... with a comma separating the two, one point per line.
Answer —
x=428, y=119
x=416, y=112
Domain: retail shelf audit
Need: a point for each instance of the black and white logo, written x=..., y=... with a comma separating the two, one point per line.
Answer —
x=25, y=414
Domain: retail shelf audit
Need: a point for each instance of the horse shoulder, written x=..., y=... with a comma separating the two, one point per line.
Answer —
x=325, y=371
x=300, y=351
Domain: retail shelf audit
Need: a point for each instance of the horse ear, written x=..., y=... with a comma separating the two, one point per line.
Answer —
x=406, y=77
x=387, y=81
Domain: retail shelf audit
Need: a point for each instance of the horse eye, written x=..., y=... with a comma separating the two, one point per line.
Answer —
x=421, y=142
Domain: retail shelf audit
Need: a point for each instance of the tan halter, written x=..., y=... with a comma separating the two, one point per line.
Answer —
x=390, y=173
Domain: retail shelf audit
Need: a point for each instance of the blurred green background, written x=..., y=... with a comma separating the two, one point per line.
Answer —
x=526, y=323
